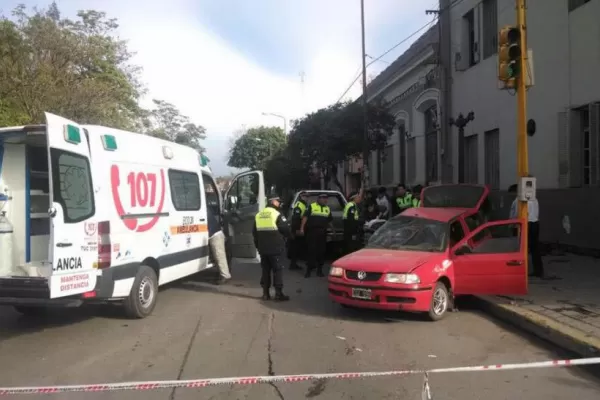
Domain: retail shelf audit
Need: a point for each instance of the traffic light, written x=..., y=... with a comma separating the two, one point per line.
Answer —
x=509, y=54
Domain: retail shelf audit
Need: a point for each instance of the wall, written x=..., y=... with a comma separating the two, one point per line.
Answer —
x=566, y=57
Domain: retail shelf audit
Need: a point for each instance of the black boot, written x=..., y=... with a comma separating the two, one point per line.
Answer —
x=266, y=294
x=307, y=273
x=279, y=296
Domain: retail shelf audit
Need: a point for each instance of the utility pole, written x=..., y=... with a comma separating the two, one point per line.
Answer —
x=364, y=99
x=461, y=122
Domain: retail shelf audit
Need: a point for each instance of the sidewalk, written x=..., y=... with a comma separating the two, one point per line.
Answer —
x=564, y=310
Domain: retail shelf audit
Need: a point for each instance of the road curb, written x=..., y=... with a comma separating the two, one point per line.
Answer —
x=549, y=329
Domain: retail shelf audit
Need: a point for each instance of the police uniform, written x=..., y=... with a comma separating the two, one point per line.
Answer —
x=318, y=219
x=405, y=202
x=270, y=228
x=351, y=226
x=297, y=243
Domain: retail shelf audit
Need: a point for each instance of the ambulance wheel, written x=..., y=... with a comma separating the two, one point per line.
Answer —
x=143, y=295
x=31, y=311
x=440, y=302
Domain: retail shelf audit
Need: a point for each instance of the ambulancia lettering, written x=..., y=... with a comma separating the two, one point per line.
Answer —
x=68, y=263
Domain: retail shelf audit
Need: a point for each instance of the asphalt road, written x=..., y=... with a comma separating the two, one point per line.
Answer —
x=199, y=330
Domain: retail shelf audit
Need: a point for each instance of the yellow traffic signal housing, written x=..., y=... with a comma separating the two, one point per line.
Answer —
x=509, y=54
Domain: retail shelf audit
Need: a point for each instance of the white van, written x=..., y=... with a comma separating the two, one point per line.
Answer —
x=100, y=214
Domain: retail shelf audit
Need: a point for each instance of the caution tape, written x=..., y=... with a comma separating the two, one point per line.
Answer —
x=254, y=380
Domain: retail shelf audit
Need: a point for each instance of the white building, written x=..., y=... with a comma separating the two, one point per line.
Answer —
x=564, y=153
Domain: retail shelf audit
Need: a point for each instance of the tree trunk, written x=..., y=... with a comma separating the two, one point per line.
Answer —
x=334, y=173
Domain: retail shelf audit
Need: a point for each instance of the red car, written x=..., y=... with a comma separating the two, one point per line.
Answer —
x=421, y=259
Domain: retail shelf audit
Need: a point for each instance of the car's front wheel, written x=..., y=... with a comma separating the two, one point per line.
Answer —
x=440, y=302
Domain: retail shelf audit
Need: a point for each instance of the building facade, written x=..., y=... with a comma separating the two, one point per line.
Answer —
x=564, y=153
x=410, y=87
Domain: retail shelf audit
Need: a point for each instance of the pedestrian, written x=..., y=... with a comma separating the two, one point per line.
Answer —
x=416, y=196
x=298, y=242
x=403, y=200
x=352, y=223
x=533, y=231
x=270, y=229
x=383, y=203
x=315, y=223
x=216, y=242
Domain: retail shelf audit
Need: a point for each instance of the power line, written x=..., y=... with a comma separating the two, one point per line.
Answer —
x=440, y=11
x=385, y=54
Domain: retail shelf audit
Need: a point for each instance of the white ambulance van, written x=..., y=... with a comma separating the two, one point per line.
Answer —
x=95, y=214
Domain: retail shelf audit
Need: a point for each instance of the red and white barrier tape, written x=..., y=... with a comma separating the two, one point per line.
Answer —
x=253, y=380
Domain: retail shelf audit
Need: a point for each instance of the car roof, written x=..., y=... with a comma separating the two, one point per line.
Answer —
x=438, y=214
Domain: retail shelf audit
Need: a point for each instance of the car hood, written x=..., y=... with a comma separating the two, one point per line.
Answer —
x=380, y=260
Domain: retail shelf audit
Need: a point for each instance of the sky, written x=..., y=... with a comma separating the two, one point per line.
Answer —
x=224, y=63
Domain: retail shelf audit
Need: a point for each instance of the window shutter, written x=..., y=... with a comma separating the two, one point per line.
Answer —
x=575, y=150
x=563, y=150
x=595, y=143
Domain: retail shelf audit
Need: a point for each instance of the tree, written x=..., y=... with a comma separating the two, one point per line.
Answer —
x=76, y=68
x=165, y=121
x=333, y=134
x=255, y=147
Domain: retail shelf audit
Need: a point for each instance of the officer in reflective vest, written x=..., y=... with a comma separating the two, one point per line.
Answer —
x=315, y=223
x=297, y=243
x=416, y=199
x=404, y=200
x=352, y=223
x=270, y=229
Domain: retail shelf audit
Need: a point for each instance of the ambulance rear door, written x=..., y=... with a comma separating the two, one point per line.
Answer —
x=73, y=246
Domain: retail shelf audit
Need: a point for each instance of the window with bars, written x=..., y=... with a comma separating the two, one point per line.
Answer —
x=492, y=158
x=490, y=28
x=387, y=165
x=471, y=155
x=431, y=144
x=411, y=160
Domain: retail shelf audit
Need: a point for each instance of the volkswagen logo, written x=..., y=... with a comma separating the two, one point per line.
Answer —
x=361, y=275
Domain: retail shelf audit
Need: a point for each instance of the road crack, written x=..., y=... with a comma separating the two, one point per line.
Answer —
x=186, y=356
x=270, y=368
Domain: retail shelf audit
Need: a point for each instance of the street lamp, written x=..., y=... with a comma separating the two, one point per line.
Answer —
x=279, y=116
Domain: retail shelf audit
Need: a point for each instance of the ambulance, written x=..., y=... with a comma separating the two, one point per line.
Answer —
x=96, y=214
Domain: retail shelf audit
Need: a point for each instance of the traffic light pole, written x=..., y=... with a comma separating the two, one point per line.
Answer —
x=522, y=151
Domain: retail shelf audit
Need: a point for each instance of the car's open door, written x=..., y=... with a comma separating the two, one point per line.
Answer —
x=243, y=200
x=455, y=196
x=73, y=247
x=494, y=265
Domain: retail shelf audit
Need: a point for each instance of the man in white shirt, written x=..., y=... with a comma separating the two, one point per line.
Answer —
x=383, y=203
x=533, y=231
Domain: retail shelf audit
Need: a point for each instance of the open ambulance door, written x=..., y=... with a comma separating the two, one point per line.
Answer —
x=73, y=248
x=244, y=198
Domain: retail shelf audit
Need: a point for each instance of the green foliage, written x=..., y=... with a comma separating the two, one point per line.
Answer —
x=329, y=136
x=75, y=68
x=254, y=148
x=165, y=121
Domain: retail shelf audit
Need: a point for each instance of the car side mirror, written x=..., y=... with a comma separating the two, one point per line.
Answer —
x=462, y=250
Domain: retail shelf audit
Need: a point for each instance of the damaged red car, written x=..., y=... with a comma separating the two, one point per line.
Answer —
x=420, y=260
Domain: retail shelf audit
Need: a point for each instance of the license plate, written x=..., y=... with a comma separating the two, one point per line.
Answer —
x=364, y=294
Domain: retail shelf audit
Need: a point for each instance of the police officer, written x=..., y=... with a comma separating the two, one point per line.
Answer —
x=297, y=242
x=270, y=228
x=404, y=199
x=416, y=198
x=314, y=224
x=352, y=223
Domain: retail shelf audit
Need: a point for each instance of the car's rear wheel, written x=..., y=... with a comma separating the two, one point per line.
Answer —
x=144, y=293
x=440, y=302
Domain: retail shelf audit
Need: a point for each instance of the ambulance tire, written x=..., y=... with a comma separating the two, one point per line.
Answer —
x=143, y=295
x=31, y=311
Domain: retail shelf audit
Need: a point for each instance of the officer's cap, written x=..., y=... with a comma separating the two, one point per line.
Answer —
x=302, y=193
x=273, y=197
x=323, y=195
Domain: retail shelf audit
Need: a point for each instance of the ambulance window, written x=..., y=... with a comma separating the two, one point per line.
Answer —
x=185, y=190
x=72, y=185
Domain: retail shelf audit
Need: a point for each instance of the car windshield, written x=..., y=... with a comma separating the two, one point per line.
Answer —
x=334, y=201
x=459, y=196
x=410, y=233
